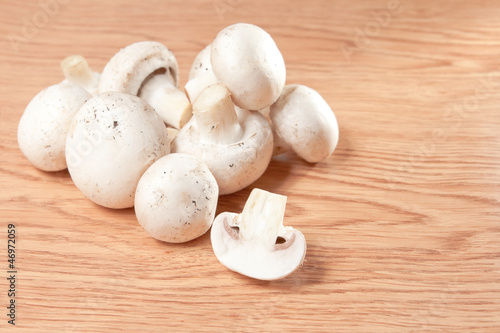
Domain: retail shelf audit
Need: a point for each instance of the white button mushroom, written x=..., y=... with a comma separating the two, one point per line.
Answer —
x=44, y=125
x=246, y=59
x=176, y=198
x=237, y=147
x=255, y=243
x=134, y=70
x=112, y=140
x=305, y=122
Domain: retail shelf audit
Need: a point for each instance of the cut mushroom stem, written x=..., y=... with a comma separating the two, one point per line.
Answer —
x=171, y=103
x=216, y=117
x=262, y=218
x=77, y=71
x=255, y=243
x=197, y=84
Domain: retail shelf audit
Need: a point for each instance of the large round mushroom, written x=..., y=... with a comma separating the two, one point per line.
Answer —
x=112, y=140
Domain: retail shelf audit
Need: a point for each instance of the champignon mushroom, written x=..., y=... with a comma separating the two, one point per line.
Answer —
x=246, y=59
x=112, y=140
x=176, y=198
x=305, y=122
x=44, y=125
x=255, y=243
x=236, y=146
x=148, y=69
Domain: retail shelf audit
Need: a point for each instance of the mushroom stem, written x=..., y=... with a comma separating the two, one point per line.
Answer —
x=77, y=70
x=197, y=84
x=262, y=217
x=171, y=103
x=216, y=117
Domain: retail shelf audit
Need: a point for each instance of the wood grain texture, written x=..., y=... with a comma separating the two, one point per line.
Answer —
x=402, y=222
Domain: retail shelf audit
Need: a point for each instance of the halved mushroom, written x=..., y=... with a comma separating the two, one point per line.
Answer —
x=236, y=144
x=304, y=121
x=255, y=243
x=112, y=141
x=149, y=70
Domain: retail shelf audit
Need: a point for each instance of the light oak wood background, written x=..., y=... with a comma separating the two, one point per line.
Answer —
x=402, y=221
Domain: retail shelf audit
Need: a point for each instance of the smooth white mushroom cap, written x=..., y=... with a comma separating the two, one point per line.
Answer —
x=305, y=122
x=176, y=198
x=44, y=125
x=255, y=243
x=246, y=59
x=113, y=139
x=171, y=103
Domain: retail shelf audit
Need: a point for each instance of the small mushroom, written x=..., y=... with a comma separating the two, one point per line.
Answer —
x=305, y=122
x=246, y=59
x=44, y=125
x=149, y=69
x=176, y=198
x=236, y=144
x=112, y=140
x=255, y=243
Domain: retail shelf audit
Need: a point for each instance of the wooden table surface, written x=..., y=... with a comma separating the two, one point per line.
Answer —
x=402, y=221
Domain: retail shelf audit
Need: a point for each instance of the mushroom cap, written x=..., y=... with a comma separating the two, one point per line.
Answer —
x=305, y=121
x=127, y=70
x=237, y=165
x=44, y=125
x=201, y=63
x=246, y=59
x=112, y=140
x=254, y=260
x=176, y=198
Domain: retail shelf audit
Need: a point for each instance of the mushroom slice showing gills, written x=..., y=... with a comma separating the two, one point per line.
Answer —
x=255, y=243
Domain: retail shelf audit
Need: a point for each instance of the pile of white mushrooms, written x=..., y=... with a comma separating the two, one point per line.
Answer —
x=131, y=138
